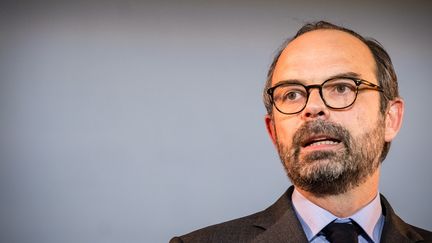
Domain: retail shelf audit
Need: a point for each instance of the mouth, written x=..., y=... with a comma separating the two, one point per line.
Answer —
x=320, y=141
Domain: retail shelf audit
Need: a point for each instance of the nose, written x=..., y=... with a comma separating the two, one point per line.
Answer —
x=315, y=107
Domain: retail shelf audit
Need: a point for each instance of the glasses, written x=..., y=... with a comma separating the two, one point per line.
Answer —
x=337, y=93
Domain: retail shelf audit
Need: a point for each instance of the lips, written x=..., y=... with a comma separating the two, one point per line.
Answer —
x=320, y=140
x=321, y=134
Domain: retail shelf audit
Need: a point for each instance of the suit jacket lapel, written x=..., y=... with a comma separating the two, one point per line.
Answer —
x=280, y=222
x=286, y=229
x=396, y=230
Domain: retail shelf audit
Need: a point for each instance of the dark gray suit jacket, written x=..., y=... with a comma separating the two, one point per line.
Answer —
x=279, y=223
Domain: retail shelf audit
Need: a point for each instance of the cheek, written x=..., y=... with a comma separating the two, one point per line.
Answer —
x=358, y=120
x=285, y=131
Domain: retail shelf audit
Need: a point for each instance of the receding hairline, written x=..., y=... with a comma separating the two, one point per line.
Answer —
x=297, y=40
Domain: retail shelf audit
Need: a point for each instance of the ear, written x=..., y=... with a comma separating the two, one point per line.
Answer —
x=270, y=128
x=393, y=118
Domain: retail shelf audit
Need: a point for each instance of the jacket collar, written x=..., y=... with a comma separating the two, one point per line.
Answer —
x=396, y=230
x=280, y=224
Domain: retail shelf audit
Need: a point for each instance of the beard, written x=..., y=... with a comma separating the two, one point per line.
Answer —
x=332, y=172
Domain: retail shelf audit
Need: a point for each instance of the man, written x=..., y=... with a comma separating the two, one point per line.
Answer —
x=333, y=109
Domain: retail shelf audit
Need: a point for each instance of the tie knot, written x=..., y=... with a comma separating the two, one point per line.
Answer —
x=342, y=232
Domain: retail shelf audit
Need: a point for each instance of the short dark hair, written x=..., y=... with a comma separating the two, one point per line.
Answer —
x=385, y=72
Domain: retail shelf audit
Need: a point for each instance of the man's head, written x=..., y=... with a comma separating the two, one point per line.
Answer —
x=328, y=151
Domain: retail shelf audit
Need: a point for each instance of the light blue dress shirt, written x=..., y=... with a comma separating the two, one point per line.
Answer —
x=314, y=218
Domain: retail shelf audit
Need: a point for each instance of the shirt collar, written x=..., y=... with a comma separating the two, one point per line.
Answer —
x=316, y=218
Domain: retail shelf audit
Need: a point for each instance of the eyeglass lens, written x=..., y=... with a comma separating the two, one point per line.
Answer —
x=336, y=93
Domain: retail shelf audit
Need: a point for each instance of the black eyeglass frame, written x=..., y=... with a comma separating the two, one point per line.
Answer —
x=357, y=81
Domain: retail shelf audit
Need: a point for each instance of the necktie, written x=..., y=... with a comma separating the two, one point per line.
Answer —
x=341, y=232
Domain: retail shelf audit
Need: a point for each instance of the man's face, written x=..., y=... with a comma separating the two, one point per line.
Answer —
x=327, y=151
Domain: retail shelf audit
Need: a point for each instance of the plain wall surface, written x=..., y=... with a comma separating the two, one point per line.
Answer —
x=134, y=121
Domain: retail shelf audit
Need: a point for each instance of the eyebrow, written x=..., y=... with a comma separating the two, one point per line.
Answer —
x=339, y=75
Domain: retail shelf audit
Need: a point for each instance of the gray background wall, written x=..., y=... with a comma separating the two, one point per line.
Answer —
x=124, y=121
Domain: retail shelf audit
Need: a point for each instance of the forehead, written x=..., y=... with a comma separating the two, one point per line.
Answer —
x=319, y=54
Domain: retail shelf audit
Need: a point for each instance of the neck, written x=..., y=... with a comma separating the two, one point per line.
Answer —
x=348, y=203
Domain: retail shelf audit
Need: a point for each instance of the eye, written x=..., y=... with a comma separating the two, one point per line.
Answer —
x=340, y=87
x=292, y=95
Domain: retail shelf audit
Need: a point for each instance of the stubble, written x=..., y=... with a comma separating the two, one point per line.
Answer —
x=332, y=172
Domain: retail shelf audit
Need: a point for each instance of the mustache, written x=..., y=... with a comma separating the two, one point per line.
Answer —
x=321, y=128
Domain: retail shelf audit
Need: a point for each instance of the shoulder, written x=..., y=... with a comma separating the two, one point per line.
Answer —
x=238, y=230
x=243, y=229
x=396, y=230
x=426, y=234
